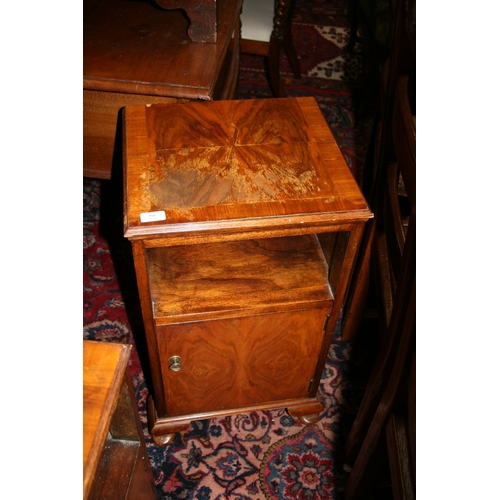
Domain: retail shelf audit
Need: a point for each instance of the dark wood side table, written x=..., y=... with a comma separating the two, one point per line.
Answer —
x=245, y=222
x=135, y=52
x=115, y=460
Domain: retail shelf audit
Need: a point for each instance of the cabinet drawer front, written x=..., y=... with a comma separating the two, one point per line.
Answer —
x=240, y=362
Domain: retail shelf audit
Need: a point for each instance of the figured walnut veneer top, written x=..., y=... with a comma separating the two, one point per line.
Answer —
x=235, y=165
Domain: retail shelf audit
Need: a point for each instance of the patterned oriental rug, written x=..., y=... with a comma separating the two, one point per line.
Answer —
x=260, y=455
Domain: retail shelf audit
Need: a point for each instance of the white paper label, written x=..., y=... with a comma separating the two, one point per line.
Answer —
x=153, y=216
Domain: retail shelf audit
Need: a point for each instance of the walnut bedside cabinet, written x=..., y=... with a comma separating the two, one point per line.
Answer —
x=245, y=222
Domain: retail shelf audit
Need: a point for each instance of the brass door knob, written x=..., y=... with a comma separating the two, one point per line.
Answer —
x=175, y=363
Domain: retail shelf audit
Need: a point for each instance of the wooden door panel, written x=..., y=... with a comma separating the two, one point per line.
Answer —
x=240, y=362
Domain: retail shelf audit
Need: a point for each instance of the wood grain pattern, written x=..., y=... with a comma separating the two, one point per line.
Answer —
x=104, y=366
x=235, y=160
x=198, y=282
x=109, y=478
x=239, y=362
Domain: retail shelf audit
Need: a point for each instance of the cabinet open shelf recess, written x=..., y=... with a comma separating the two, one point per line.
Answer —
x=237, y=278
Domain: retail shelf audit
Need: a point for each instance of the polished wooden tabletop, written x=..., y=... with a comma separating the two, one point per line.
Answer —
x=104, y=366
x=237, y=164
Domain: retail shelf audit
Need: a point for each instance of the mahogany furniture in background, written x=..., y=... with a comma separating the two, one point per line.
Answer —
x=400, y=60
x=387, y=411
x=388, y=406
x=385, y=424
x=115, y=460
x=245, y=221
x=135, y=52
x=202, y=16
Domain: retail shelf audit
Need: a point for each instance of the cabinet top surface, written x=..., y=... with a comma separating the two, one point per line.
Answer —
x=234, y=165
x=136, y=47
x=104, y=366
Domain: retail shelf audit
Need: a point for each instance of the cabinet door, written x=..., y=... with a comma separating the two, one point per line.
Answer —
x=239, y=362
